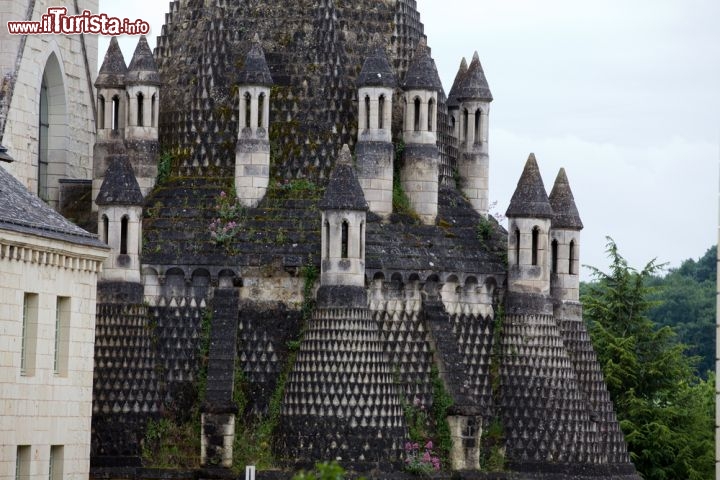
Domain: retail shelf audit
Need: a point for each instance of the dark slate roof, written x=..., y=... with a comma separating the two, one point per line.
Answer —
x=452, y=100
x=530, y=199
x=474, y=85
x=255, y=71
x=120, y=187
x=142, y=69
x=422, y=73
x=113, y=70
x=23, y=212
x=376, y=71
x=343, y=191
x=563, y=204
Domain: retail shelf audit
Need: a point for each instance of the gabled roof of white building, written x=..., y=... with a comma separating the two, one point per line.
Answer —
x=23, y=212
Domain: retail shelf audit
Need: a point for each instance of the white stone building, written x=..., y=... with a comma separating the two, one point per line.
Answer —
x=48, y=277
x=47, y=112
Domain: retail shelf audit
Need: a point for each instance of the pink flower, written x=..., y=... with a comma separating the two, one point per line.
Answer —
x=222, y=194
x=429, y=445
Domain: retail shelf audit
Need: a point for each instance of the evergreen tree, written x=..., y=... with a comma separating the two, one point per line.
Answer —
x=665, y=411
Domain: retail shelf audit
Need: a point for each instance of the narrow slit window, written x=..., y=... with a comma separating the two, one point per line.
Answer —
x=327, y=239
x=29, y=334
x=105, y=229
x=478, y=126
x=247, y=110
x=344, y=239
x=140, y=106
x=417, y=115
x=517, y=246
x=466, y=118
x=22, y=462
x=431, y=114
x=124, y=236
x=367, y=112
x=101, y=112
x=381, y=112
x=535, y=245
x=554, y=254
x=361, y=239
x=571, y=258
x=115, y=113
x=55, y=470
x=261, y=109
x=153, y=99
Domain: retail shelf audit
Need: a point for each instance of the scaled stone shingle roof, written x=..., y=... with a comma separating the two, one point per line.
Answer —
x=452, y=100
x=343, y=191
x=376, y=71
x=120, y=187
x=422, y=73
x=142, y=69
x=23, y=212
x=113, y=70
x=563, y=204
x=255, y=71
x=530, y=198
x=474, y=85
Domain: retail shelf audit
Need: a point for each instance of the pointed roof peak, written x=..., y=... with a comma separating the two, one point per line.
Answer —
x=452, y=100
x=422, y=73
x=113, y=70
x=563, y=204
x=343, y=191
x=474, y=85
x=143, y=69
x=119, y=187
x=255, y=71
x=376, y=71
x=530, y=198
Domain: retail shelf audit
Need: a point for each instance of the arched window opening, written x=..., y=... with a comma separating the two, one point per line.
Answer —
x=431, y=114
x=554, y=254
x=344, y=240
x=535, y=245
x=124, y=236
x=105, y=229
x=367, y=112
x=152, y=110
x=381, y=112
x=101, y=112
x=452, y=122
x=140, y=102
x=361, y=239
x=478, y=125
x=416, y=126
x=517, y=246
x=327, y=239
x=464, y=132
x=247, y=110
x=571, y=259
x=261, y=109
x=115, y=113
x=43, y=143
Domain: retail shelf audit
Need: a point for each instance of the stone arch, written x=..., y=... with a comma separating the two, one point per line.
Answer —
x=396, y=278
x=52, y=135
x=226, y=278
x=379, y=276
x=414, y=278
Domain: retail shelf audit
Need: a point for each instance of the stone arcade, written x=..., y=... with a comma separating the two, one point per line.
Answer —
x=271, y=101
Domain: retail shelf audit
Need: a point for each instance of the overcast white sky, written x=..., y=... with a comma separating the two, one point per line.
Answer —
x=624, y=94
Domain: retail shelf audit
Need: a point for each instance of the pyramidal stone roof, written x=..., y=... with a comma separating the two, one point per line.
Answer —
x=474, y=85
x=376, y=71
x=343, y=191
x=563, y=204
x=422, y=73
x=113, y=70
x=143, y=68
x=452, y=100
x=23, y=212
x=255, y=71
x=120, y=187
x=530, y=198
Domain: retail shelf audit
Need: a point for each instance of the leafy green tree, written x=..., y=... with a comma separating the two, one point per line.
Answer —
x=665, y=411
